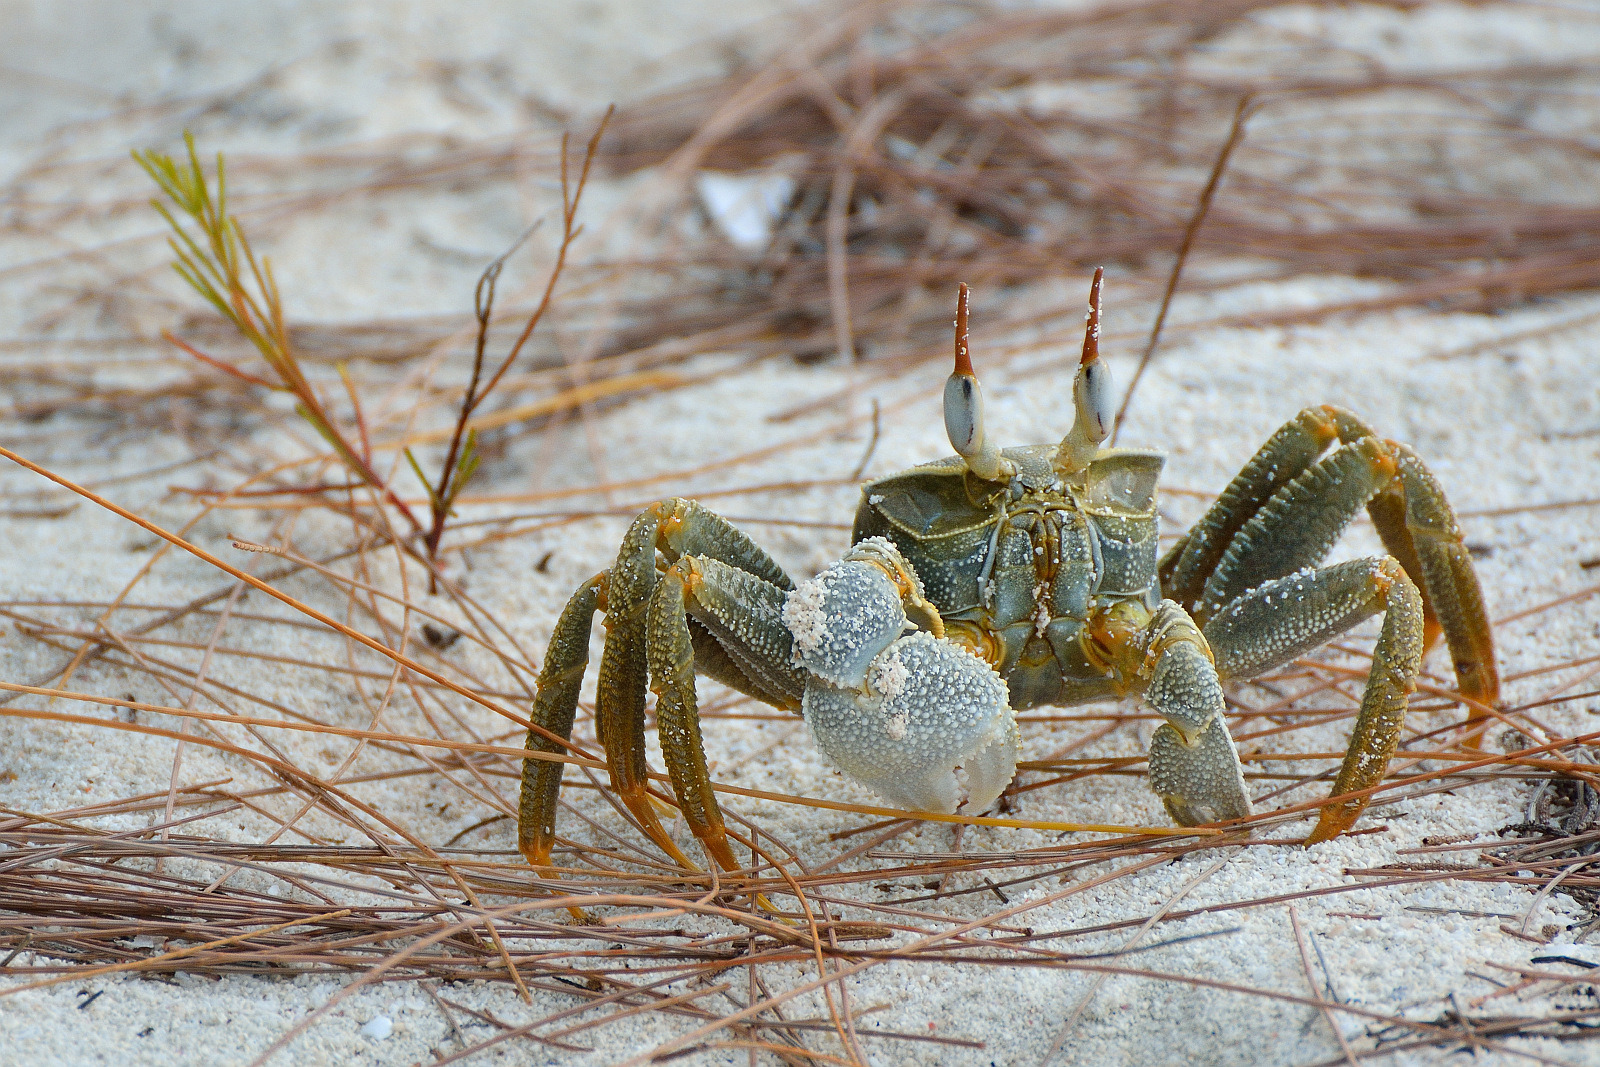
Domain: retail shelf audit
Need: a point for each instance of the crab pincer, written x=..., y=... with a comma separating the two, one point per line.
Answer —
x=917, y=719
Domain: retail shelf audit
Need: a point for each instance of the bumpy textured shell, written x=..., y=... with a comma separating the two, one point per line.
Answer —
x=843, y=618
x=932, y=732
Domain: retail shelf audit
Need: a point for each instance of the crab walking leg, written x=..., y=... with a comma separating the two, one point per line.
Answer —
x=677, y=528
x=742, y=612
x=1452, y=600
x=735, y=624
x=1275, y=622
x=1396, y=658
x=1296, y=445
x=1419, y=528
x=553, y=709
x=1300, y=523
x=619, y=696
x=1277, y=499
x=1193, y=765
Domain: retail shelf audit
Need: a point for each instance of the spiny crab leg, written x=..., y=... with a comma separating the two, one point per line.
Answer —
x=741, y=613
x=1278, y=620
x=1419, y=529
x=554, y=707
x=1288, y=505
x=675, y=529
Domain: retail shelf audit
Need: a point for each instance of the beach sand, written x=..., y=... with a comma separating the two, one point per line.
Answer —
x=1503, y=421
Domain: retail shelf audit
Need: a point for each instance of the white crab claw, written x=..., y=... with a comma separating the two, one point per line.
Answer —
x=842, y=619
x=931, y=730
x=920, y=721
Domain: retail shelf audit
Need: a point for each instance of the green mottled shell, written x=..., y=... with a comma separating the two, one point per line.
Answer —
x=979, y=549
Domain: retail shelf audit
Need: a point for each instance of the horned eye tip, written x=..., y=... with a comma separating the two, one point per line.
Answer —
x=1091, y=325
x=963, y=353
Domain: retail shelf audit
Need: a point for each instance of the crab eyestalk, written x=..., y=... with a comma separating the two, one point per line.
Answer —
x=963, y=409
x=1091, y=396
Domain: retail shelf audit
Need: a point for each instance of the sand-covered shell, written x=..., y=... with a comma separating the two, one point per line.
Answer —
x=842, y=619
x=932, y=732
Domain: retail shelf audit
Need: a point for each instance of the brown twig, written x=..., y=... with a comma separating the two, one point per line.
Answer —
x=461, y=455
x=1202, y=207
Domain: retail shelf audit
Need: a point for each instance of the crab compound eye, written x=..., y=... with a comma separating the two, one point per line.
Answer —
x=1092, y=394
x=963, y=413
x=963, y=400
x=1094, y=413
x=963, y=409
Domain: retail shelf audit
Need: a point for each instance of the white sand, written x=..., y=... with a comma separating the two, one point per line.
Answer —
x=1490, y=424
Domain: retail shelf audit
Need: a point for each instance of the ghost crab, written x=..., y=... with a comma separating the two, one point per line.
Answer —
x=999, y=580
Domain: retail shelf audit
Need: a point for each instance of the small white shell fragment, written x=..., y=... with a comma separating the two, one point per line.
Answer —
x=745, y=207
x=378, y=1027
x=930, y=708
